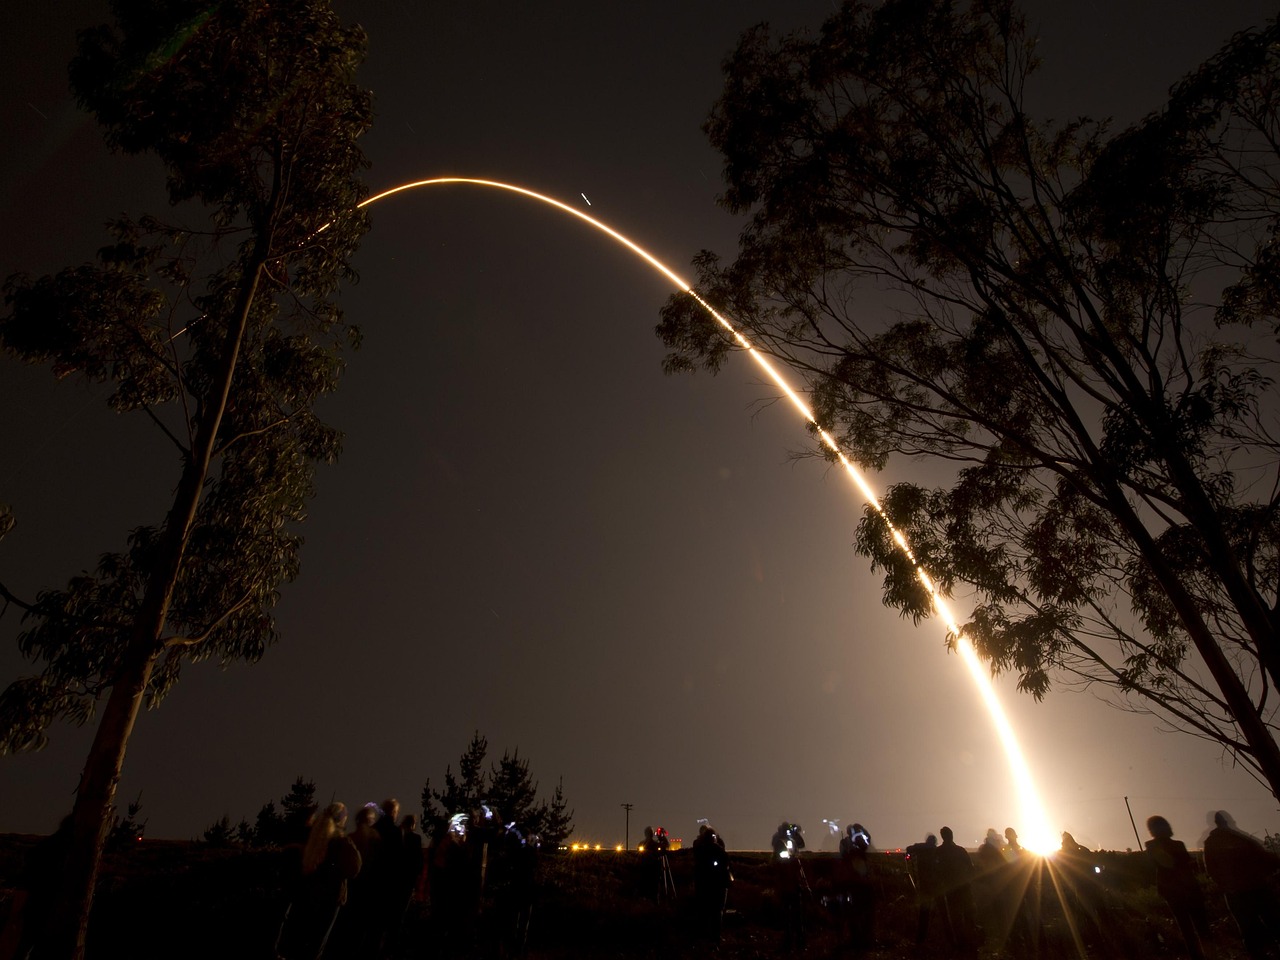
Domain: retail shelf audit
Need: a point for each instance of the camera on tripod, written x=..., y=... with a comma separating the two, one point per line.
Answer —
x=788, y=841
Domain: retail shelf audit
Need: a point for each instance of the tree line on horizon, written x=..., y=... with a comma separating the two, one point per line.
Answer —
x=507, y=788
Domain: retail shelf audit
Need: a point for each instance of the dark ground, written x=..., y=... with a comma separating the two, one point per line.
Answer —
x=180, y=899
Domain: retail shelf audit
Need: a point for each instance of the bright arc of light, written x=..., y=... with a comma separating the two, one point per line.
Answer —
x=1039, y=835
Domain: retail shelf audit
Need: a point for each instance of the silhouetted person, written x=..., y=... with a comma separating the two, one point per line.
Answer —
x=655, y=876
x=790, y=882
x=922, y=867
x=989, y=882
x=328, y=862
x=855, y=847
x=452, y=887
x=484, y=835
x=1176, y=882
x=358, y=931
x=955, y=879
x=1021, y=892
x=1074, y=863
x=416, y=862
x=990, y=853
x=513, y=884
x=1074, y=859
x=406, y=879
x=1244, y=871
x=387, y=827
x=711, y=879
x=386, y=905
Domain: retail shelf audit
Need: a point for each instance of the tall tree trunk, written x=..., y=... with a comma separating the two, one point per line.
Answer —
x=91, y=816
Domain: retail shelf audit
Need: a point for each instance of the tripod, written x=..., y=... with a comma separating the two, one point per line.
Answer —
x=668, y=888
x=792, y=884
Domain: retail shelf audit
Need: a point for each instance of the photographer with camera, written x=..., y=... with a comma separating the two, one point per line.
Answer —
x=855, y=872
x=655, y=869
x=790, y=881
x=711, y=880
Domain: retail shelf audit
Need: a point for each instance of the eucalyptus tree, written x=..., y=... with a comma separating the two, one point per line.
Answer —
x=1074, y=328
x=223, y=329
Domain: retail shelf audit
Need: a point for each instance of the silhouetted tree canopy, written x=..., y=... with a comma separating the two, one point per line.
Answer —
x=1074, y=328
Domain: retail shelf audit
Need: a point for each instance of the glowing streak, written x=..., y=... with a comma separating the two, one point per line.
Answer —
x=1038, y=834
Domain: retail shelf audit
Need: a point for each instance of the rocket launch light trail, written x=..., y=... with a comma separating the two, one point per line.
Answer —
x=1038, y=835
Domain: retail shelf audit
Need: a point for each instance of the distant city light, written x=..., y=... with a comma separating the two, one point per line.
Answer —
x=593, y=848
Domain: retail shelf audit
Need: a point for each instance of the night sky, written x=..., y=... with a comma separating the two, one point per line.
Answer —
x=532, y=531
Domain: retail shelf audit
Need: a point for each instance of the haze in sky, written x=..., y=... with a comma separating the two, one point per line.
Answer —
x=532, y=532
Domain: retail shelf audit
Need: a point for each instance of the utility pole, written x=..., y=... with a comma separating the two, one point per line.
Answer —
x=626, y=842
x=1132, y=824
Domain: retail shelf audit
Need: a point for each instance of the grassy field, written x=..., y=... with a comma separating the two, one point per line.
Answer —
x=174, y=899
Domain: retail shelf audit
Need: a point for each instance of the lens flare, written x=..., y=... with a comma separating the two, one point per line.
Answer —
x=1036, y=833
